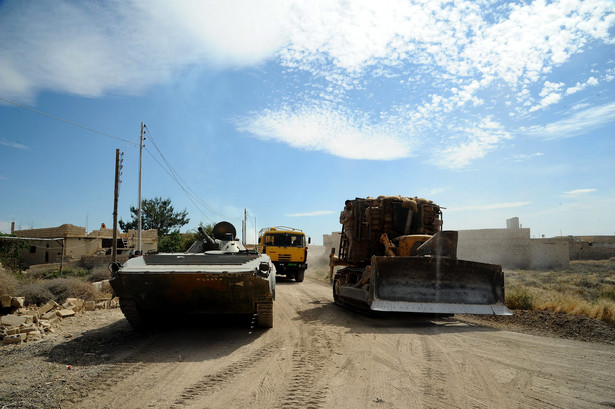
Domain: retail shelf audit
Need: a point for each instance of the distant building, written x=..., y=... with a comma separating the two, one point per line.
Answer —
x=48, y=245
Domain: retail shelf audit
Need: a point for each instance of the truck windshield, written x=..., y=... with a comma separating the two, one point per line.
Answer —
x=285, y=240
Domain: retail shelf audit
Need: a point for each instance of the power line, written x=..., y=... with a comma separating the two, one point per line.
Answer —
x=180, y=181
x=66, y=121
x=180, y=185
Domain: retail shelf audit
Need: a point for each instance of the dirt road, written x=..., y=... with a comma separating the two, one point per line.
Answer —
x=321, y=356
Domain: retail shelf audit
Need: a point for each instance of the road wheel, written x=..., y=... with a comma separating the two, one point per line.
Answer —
x=299, y=275
x=264, y=314
x=136, y=319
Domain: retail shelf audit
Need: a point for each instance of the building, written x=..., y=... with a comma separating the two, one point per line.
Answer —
x=71, y=243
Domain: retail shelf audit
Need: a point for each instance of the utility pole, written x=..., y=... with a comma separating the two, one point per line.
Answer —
x=244, y=226
x=140, y=167
x=115, y=197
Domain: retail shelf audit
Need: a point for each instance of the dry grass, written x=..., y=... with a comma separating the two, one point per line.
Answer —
x=586, y=288
x=57, y=289
x=38, y=289
x=8, y=282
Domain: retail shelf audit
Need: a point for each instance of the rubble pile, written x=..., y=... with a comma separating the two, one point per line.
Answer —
x=31, y=323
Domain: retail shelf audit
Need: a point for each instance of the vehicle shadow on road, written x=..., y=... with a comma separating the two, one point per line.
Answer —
x=330, y=314
x=180, y=341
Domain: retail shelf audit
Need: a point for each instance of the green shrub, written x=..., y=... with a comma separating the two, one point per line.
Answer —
x=519, y=299
x=66, y=272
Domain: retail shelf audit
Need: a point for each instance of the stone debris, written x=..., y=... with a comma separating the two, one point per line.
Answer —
x=31, y=323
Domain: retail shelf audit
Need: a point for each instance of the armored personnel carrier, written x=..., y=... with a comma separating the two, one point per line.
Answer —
x=215, y=276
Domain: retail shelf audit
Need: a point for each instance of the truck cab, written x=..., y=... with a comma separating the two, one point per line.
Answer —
x=287, y=248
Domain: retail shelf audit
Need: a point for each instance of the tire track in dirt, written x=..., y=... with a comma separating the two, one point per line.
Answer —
x=433, y=377
x=304, y=391
x=209, y=383
x=310, y=354
x=108, y=376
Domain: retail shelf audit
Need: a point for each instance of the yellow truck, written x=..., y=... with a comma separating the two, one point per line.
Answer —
x=287, y=248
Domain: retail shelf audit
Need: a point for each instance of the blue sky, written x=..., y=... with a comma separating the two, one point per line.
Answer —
x=287, y=108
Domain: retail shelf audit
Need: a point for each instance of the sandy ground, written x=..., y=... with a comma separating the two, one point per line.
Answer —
x=316, y=356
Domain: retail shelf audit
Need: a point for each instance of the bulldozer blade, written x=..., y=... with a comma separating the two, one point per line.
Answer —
x=438, y=285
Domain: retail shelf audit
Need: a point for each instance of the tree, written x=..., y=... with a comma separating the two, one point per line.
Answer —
x=193, y=235
x=10, y=251
x=157, y=214
x=171, y=243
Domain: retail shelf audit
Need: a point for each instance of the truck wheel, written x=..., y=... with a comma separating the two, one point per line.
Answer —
x=299, y=275
x=264, y=314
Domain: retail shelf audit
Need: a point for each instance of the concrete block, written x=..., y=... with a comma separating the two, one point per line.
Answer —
x=30, y=318
x=65, y=312
x=34, y=336
x=103, y=286
x=18, y=302
x=6, y=301
x=48, y=315
x=90, y=305
x=45, y=324
x=75, y=304
x=13, y=320
x=47, y=307
x=24, y=329
x=14, y=339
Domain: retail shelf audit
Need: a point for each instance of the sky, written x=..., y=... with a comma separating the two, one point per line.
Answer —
x=284, y=109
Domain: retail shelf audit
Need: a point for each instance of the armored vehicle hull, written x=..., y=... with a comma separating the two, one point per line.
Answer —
x=227, y=281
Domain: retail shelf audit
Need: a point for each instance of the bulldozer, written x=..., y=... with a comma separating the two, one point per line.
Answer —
x=397, y=258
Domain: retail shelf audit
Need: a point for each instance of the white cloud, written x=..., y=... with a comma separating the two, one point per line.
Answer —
x=579, y=192
x=579, y=87
x=551, y=94
x=434, y=191
x=126, y=46
x=311, y=214
x=477, y=142
x=15, y=145
x=577, y=123
x=120, y=46
x=523, y=157
x=445, y=58
x=344, y=134
x=494, y=206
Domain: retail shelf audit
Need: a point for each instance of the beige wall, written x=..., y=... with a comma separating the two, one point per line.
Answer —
x=509, y=247
x=77, y=244
x=591, y=247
